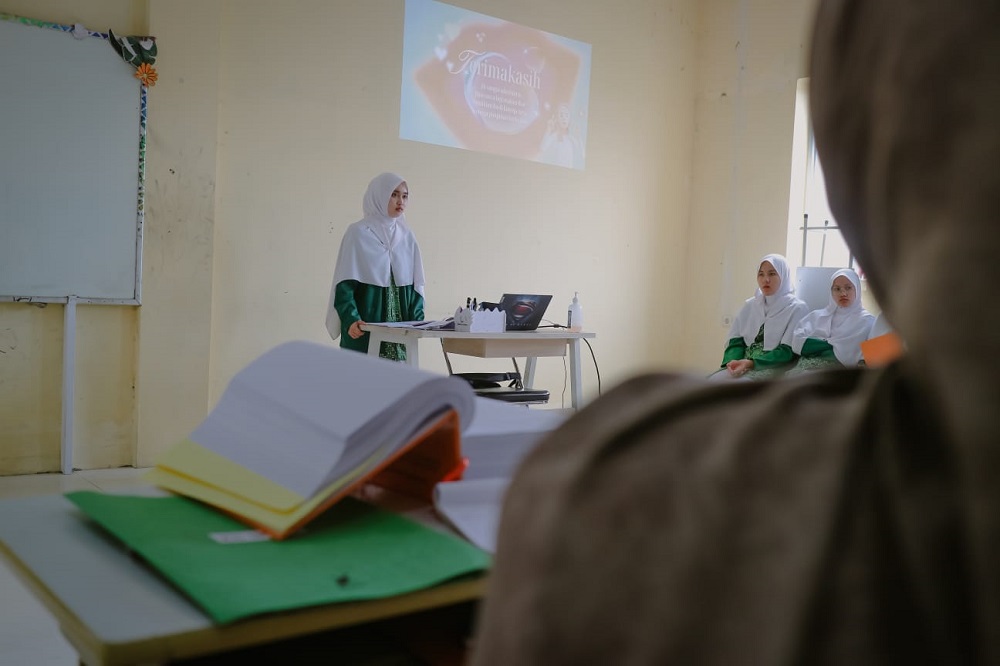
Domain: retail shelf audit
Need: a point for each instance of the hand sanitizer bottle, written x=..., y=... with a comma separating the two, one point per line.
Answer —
x=574, y=318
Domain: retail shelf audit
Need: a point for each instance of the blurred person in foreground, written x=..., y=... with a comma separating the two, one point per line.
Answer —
x=843, y=517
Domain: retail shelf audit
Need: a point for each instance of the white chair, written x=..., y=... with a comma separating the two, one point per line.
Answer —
x=812, y=285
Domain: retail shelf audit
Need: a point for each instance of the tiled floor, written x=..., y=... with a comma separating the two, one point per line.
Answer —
x=29, y=636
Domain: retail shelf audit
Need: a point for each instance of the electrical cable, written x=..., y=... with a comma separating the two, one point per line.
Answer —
x=593, y=356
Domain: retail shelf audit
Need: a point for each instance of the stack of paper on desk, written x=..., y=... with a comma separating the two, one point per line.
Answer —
x=500, y=436
x=305, y=424
x=473, y=508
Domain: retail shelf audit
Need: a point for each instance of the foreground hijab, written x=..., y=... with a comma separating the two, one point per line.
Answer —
x=848, y=517
x=775, y=312
x=843, y=328
x=376, y=245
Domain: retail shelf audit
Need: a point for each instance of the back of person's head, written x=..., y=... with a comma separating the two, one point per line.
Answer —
x=905, y=103
x=905, y=99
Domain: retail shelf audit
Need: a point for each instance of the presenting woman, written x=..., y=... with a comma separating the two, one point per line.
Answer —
x=761, y=335
x=832, y=336
x=379, y=274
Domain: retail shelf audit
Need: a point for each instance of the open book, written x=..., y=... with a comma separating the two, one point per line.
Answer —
x=305, y=424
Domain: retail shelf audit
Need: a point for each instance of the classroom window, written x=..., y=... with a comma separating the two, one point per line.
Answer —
x=814, y=237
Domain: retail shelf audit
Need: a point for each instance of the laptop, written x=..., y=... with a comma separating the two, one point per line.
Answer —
x=524, y=311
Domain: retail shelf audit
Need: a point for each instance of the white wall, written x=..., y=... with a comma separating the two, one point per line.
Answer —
x=750, y=55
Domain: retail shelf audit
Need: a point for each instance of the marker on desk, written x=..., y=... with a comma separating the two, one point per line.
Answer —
x=474, y=304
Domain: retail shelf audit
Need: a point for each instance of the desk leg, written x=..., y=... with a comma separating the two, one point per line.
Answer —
x=575, y=387
x=413, y=351
x=529, y=372
x=374, y=343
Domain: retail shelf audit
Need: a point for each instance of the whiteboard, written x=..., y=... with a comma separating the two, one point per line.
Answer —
x=72, y=139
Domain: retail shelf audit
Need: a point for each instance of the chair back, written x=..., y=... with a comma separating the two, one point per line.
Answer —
x=812, y=285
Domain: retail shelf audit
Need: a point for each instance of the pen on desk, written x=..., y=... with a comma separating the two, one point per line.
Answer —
x=473, y=304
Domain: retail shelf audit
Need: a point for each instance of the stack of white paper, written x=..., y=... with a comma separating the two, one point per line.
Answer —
x=499, y=437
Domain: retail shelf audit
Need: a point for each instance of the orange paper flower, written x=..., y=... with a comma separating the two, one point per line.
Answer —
x=147, y=74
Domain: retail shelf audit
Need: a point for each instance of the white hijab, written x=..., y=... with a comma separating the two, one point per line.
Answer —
x=779, y=313
x=844, y=328
x=376, y=245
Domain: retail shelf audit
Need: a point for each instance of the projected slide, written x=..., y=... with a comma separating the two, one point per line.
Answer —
x=475, y=82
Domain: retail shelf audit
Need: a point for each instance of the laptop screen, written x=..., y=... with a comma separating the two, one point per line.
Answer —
x=524, y=311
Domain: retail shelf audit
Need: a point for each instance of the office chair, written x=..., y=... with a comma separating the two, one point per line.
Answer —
x=491, y=385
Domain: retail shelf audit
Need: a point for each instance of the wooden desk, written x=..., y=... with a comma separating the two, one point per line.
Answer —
x=529, y=344
x=115, y=610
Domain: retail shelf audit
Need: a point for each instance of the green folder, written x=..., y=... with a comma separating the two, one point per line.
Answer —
x=354, y=551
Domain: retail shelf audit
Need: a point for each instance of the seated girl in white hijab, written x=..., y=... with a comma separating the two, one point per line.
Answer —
x=761, y=335
x=832, y=336
x=379, y=274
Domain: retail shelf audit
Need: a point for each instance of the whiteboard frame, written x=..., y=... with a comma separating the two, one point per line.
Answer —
x=80, y=32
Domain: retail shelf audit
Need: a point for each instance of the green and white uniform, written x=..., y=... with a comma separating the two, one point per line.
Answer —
x=831, y=337
x=379, y=275
x=356, y=300
x=762, y=331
